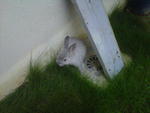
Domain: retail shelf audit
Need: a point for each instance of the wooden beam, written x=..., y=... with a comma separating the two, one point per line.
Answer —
x=100, y=35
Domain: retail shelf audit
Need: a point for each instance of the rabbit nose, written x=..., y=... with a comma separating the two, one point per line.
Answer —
x=57, y=61
x=60, y=64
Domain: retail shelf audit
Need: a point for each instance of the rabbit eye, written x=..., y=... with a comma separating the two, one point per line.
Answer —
x=65, y=59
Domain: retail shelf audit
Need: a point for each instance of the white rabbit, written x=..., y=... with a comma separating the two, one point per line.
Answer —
x=76, y=53
x=73, y=53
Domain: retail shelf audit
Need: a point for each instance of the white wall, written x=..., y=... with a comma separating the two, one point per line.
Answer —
x=25, y=24
x=33, y=26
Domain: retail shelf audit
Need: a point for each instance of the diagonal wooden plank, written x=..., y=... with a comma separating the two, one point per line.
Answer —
x=100, y=35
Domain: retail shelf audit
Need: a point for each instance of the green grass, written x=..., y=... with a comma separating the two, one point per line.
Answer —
x=52, y=89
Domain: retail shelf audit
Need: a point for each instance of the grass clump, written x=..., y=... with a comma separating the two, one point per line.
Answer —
x=52, y=89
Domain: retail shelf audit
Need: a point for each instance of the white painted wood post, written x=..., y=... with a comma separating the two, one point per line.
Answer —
x=100, y=35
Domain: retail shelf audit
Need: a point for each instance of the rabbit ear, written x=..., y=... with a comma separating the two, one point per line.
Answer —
x=72, y=48
x=66, y=42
